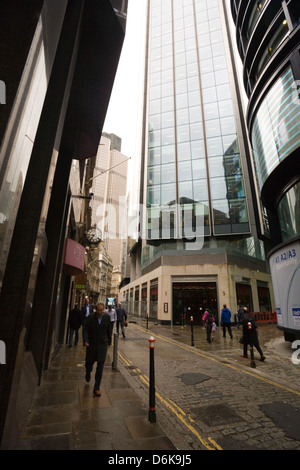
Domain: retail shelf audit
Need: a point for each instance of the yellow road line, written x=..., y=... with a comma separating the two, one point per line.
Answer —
x=271, y=382
x=180, y=413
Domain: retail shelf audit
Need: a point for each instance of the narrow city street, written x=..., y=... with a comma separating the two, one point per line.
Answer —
x=208, y=396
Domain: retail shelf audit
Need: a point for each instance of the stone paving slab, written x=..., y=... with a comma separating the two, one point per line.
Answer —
x=66, y=416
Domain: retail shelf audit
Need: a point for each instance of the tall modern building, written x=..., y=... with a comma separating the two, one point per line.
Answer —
x=201, y=228
x=109, y=201
x=268, y=39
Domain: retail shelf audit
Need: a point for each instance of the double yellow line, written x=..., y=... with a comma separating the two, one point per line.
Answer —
x=252, y=374
x=210, y=444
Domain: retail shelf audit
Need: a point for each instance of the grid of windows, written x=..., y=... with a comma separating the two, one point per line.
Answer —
x=193, y=158
x=276, y=129
x=289, y=213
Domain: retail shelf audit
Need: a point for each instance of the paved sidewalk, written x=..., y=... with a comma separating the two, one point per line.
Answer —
x=65, y=415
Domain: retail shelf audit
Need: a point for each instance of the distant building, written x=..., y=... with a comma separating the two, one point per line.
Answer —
x=109, y=204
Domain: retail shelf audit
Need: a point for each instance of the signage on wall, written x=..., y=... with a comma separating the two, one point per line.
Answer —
x=285, y=271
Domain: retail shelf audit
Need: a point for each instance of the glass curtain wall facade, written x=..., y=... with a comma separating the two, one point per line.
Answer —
x=276, y=131
x=201, y=226
x=268, y=43
x=194, y=170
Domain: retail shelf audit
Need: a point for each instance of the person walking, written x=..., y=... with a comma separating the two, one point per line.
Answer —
x=113, y=317
x=121, y=318
x=97, y=337
x=226, y=321
x=86, y=310
x=238, y=316
x=74, y=324
x=208, y=320
x=250, y=336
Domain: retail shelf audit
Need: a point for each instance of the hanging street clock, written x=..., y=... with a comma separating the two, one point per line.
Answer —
x=93, y=236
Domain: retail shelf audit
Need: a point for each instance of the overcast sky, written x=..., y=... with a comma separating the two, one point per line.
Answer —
x=124, y=112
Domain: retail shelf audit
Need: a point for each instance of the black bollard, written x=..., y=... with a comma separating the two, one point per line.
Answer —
x=115, y=352
x=147, y=321
x=152, y=413
x=252, y=364
x=192, y=331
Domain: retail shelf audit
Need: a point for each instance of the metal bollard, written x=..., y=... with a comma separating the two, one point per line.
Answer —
x=152, y=413
x=192, y=331
x=115, y=352
x=252, y=364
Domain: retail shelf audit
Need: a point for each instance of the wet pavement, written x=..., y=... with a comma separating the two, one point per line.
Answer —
x=65, y=415
x=223, y=402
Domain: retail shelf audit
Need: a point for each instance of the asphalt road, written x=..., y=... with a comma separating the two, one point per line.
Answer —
x=207, y=397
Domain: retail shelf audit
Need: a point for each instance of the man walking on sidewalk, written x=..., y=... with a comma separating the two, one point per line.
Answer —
x=97, y=337
x=113, y=317
x=74, y=324
x=121, y=318
x=86, y=310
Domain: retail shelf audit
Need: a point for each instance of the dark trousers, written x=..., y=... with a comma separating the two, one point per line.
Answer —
x=98, y=374
x=256, y=345
x=111, y=329
x=71, y=334
x=208, y=333
x=252, y=340
x=228, y=326
x=120, y=323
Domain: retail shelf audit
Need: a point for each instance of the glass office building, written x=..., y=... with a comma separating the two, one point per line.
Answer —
x=268, y=43
x=193, y=149
x=197, y=192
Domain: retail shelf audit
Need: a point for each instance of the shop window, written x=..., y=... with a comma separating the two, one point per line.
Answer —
x=264, y=299
x=153, y=298
x=244, y=296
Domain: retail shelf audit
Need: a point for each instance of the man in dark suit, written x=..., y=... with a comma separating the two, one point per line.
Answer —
x=86, y=310
x=74, y=324
x=96, y=333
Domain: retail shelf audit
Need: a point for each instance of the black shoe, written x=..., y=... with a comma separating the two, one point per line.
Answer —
x=87, y=376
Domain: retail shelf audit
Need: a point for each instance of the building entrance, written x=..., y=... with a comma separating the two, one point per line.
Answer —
x=191, y=299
